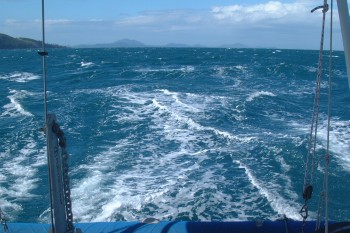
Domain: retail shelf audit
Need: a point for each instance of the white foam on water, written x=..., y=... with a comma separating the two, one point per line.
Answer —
x=268, y=190
x=339, y=141
x=131, y=191
x=224, y=72
x=184, y=69
x=8, y=207
x=22, y=172
x=177, y=115
x=14, y=108
x=45, y=217
x=187, y=69
x=194, y=108
x=159, y=180
x=20, y=77
x=258, y=94
x=277, y=51
x=87, y=195
x=19, y=169
x=311, y=69
x=86, y=64
x=286, y=167
x=240, y=67
x=221, y=71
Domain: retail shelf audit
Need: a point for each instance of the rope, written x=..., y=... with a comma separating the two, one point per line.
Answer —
x=311, y=154
x=323, y=203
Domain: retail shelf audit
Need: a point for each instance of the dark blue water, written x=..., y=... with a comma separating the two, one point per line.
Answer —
x=185, y=134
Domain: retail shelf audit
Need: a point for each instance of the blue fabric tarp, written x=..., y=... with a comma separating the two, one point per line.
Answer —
x=173, y=227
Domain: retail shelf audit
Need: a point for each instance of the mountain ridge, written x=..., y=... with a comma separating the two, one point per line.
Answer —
x=123, y=43
x=129, y=43
x=9, y=42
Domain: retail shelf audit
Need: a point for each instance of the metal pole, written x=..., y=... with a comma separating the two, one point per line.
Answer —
x=329, y=122
x=43, y=53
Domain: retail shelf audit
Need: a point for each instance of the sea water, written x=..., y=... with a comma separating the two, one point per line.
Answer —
x=173, y=133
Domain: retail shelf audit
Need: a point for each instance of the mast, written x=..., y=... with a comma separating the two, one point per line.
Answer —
x=57, y=159
x=343, y=10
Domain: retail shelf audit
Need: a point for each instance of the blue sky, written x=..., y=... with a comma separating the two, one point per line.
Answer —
x=256, y=23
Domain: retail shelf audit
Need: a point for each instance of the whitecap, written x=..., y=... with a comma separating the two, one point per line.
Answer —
x=14, y=108
x=257, y=94
x=184, y=69
x=86, y=64
x=239, y=67
x=20, y=77
x=187, y=69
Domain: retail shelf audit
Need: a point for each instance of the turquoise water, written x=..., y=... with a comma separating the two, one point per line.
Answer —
x=175, y=134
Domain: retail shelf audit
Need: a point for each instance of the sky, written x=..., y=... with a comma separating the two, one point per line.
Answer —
x=285, y=24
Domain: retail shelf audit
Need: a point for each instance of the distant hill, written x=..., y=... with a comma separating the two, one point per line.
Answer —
x=8, y=42
x=174, y=45
x=236, y=45
x=124, y=43
x=127, y=43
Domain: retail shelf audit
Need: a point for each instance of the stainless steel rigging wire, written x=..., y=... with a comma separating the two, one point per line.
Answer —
x=43, y=53
x=311, y=154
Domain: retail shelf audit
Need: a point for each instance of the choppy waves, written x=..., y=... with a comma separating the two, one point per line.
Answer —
x=169, y=154
x=216, y=135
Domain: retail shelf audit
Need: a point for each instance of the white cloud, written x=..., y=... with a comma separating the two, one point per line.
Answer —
x=166, y=19
x=271, y=24
x=140, y=20
x=273, y=10
x=38, y=22
x=12, y=21
x=58, y=21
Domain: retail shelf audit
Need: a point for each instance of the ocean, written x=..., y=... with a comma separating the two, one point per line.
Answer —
x=194, y=134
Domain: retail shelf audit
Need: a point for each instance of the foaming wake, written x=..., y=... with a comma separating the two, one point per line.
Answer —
x=21, y=173
x=339, y=140
x=177, y=111
x=158, y=168
x=277, y=202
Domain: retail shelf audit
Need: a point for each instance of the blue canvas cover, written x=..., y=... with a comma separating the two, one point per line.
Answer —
x=173, y=227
